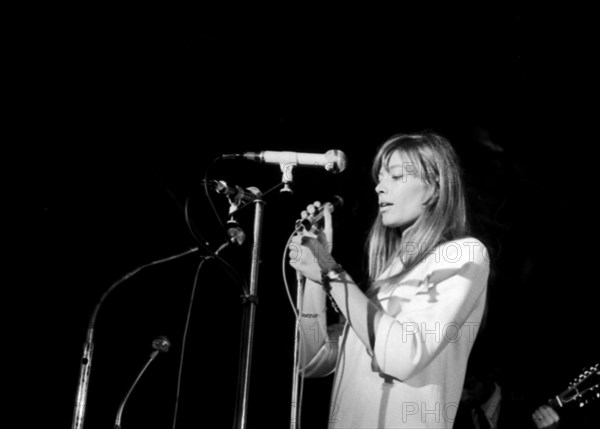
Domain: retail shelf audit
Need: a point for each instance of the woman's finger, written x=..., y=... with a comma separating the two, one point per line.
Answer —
x=548, y=413
x=306, y=233
x=295, y=251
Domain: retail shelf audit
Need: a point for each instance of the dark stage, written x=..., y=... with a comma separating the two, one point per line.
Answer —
x=114, y=123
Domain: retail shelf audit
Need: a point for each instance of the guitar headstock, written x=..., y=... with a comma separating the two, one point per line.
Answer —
x=582, y=390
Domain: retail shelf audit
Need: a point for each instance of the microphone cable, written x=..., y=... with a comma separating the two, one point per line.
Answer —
x=88, y=347
x=212, y=205
x=130, y=274
x=232, y=272
x=284, y=271
x=185, y=332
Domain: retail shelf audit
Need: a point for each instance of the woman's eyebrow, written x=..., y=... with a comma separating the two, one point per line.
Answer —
x=394, y=166
x=389, y=168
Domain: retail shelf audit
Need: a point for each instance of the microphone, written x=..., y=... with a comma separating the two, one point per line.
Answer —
x=315, y=220
x=333, y=160
x=235, y=233
x=160, y=344
x=236, y=194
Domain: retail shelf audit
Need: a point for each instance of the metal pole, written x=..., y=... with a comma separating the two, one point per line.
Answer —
x=250, y=302
x=84, y=381
x=295, y=409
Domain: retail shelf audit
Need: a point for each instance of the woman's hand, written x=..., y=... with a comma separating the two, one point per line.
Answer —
x=325, y=233
x=310, y=251
x=545, y=417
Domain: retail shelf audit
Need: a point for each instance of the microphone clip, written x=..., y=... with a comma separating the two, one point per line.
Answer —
x=236, y=195
x=287, y=177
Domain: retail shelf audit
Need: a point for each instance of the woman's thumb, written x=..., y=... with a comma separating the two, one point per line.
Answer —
x=328, y=224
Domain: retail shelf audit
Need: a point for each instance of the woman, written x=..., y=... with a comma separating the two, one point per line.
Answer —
x=401, y=360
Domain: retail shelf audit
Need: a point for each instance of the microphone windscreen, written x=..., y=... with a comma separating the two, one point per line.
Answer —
x=162, y=344
x=335, y=161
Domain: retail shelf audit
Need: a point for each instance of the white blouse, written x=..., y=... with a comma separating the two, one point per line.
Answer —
x=414, y=377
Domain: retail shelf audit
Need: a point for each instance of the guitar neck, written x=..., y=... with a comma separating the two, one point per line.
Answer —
x=555, y=402
x=584, y=389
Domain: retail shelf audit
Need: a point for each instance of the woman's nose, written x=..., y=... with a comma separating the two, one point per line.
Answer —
x=379, y=189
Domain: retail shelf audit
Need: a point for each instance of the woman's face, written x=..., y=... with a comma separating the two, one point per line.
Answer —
x=401, y=191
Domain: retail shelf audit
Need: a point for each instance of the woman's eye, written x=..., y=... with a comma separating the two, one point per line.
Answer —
x=390, y=177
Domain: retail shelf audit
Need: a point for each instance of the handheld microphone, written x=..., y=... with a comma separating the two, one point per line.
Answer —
x=333, y=160
x=160, y=344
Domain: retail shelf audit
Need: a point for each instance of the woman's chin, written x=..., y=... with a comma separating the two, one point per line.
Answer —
x=396, y=224
x=390, y=223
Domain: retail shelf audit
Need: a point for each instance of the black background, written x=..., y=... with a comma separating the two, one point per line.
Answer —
x=114, y=118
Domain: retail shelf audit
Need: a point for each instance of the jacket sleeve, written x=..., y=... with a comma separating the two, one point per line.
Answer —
x=324, y=362
x=454, y=285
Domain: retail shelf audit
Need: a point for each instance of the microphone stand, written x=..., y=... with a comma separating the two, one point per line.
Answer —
x=295, y=409
x=88, y=347
x=300, y=283
x=236, y=235
x=248, y=317
x=161, y=344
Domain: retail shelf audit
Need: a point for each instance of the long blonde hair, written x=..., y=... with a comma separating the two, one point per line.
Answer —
x=445, y=215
